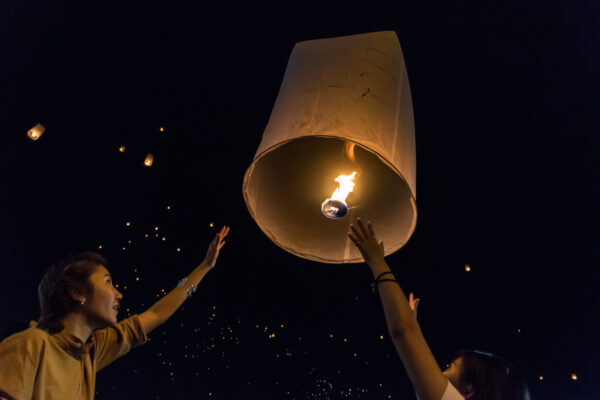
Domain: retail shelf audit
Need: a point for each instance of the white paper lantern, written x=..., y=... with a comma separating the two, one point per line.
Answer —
x=36, y=132
x=149, y=160
x=335, y=92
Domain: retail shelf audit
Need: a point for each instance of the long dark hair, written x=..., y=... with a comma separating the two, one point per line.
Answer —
x=54, y=288
x=491, y=377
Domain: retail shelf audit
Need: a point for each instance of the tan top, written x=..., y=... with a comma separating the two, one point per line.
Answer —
x=41, y=366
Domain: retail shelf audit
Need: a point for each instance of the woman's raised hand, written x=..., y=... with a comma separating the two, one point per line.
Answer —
x=414, y=303
x=364, y=238
x=215, y=246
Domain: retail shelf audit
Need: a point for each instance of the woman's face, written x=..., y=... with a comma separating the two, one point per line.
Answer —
x=453, y=372
x=102, y=306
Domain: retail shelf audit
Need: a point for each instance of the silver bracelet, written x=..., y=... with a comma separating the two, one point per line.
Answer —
x=189, y=292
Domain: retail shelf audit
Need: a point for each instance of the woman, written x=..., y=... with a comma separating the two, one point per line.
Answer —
x=473, y=375
x=78, y=334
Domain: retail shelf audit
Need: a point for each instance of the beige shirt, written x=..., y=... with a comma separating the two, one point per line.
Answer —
x=451, y=393
x=41, y=366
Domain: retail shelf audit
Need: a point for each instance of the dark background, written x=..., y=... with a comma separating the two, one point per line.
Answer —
x=506, y=100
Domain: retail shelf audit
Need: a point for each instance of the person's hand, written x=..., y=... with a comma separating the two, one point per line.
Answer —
x=364, y=238
x=215, y=246
x=414, y=303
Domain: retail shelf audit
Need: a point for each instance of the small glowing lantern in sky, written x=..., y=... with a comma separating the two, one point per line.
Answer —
x=121, y=149
x=343, y=124
x=35, y=132
x=149, y=160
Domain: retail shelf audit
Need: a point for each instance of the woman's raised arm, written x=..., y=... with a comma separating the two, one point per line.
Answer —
x=162, y=310
x=422, y=368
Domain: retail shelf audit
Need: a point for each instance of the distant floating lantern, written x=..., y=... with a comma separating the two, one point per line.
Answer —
x=162, y=129
x=574, y=377
x=467, y=268
x=346, y=92
x=36, y=132
x=122, y=149
x=149, y=160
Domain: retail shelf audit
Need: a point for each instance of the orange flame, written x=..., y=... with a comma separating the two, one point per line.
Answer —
x=346, y=185
x=349, y=150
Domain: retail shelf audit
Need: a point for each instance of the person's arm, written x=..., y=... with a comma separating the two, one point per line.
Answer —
x=422, y=368
x=162, y=310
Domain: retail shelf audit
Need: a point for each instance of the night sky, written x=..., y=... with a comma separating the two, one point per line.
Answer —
x=506, y=100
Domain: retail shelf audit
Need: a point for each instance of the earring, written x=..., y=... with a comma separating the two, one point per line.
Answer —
x=82, y=302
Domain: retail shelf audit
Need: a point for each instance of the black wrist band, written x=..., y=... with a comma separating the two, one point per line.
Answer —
x=382, y=274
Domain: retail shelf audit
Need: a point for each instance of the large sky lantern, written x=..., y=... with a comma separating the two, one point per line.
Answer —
x=339, y=144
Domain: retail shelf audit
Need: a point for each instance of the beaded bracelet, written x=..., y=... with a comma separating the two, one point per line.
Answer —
x=189, y=292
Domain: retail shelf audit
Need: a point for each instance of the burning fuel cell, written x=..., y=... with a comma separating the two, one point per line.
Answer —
x=339, y=144
x=336, y=207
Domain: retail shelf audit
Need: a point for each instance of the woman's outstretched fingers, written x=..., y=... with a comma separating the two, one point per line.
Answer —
x=357, y=233
x=371, y=231
x=223, y=232
x=363, y=228
x=354, y=240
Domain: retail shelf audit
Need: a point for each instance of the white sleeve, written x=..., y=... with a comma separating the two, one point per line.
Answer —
x=451, y=393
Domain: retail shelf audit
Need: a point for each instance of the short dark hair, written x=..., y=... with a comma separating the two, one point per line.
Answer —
x=492, y=377
x=54, y=288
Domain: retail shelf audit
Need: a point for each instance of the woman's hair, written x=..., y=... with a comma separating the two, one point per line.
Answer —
x=54, y=289
x=491, y=377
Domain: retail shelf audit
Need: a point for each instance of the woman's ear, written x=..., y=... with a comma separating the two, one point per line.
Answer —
x=76, y=295
x=467, y=391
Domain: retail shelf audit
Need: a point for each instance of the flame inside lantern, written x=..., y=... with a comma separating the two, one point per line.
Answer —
x=336, y=207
